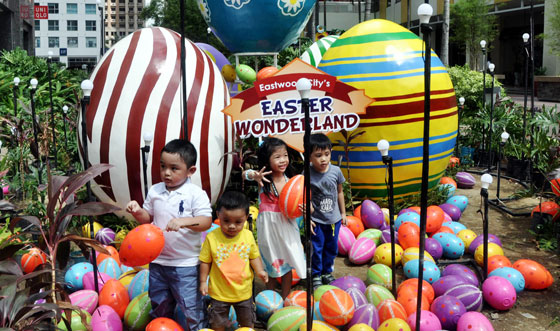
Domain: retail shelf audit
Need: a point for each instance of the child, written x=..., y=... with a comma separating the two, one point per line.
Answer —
x=329, y=210
x=228, y=256
x=182, y=210
x=278, y=237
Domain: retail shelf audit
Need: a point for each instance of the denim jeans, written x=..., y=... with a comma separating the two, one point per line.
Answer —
x=171, y=286
x=325, y=248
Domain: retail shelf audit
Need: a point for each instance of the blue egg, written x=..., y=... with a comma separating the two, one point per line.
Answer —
x=450, y=189
x=139, y=284
x=75, y=275
x=460, y=201
x=125, y=269
x=512, y=275
x=453, y=246
x=407, y=217
x=431, y=270
x=110, y=267
x=456, y=226
x=317, y=313
x=233, y=318
x=212, y=228
x=267, y=302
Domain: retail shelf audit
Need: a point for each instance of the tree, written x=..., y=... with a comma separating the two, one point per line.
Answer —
x=445, y=34
x=553, y=37
x=471, y=22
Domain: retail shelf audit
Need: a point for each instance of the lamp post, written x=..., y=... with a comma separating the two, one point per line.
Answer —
x=183, y=71
x=49, y=61
x=15, y=91
x=87, y=86
x=383, y=147
x=525, y=37
x=33, y=82
x=461, y=107
x=303, y=86
x=64, y=116
x=101, y=6
x=148, y=137
x=208, y=32
x=491, y=67
x=486, y=180
x=505, y=137
x=483, y=47
x=425, y=11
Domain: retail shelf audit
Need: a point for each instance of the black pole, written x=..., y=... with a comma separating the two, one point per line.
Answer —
x=85, y=102
x=426, y=30
x=525, y=93
x=483, y=99
x=35, y=134
x=307, y=195
x=388, y=161
x=532, y=81
x=49, y=61
x=145, y=150
x=500, y=149
x=458, y=126
x=64, y=110
x=183, y=72
x=102, y=28
x=325, y=14
x=15, y=91
x=484, y=194
x=490, y=130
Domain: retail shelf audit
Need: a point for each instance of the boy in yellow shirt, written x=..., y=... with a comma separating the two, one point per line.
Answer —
x=228, y=256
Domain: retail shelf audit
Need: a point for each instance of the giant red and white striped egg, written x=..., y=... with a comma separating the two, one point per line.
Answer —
x=137, y=90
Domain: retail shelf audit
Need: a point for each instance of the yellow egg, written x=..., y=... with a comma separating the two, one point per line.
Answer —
x=119, y=237
x=386, y=61
x=412, y=253
x=361, y=327
x=127, y=277
x=254, y=211
x=467, y=236
x=318, y=326
x=86, y=228
x=493, y=249
x=394, y=324
x=383, y=254
x=229, y=74
x=385, y=214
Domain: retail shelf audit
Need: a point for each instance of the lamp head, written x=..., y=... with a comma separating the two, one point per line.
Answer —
x=65, y=109
x=526, y=37
x=483, y=44
x=303, y=86
x=425, y=11
x=383, y=147
x=209, y=30
x=491, y=67
x=87, y=86
x=16, y=81
x=148, y=138
x=320, y=28
x=50, y=54
x=486, y=180
x=461, y=101
x=504, y=136
x=33, y=83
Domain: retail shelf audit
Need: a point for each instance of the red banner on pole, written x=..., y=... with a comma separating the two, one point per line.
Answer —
x=41, y=12
x=24, y=12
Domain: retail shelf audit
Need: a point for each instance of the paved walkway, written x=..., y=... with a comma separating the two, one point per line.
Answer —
x=519, y=99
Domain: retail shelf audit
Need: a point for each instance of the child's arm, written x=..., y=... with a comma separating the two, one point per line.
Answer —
x=139, y=213
x=203, y=272
x=258, y=176
x=342, y=204
x=257, y=265
x=197, y=223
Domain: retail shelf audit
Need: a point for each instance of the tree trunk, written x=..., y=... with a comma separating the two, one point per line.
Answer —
x=445, y=35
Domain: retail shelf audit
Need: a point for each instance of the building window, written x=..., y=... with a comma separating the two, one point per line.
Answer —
x=91, y=8
x=90, y=25
x=53, y=25
x=37, y=42
x=53, y=42
x=91, y=42
x=53, y=8
x=72, y=25
x=71, y=8
x=37, y=25
x=72, y=42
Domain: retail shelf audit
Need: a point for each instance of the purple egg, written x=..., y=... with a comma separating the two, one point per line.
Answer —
x=463, y=271
x=372, y=216
x=434, y=248
x=452, y=211
x=386, y=236
x=465, y=180
x=105, y=236
x=357, y=296
x=384, y=226
x=347, y=282
x=366, y=314
x=448, y=309
x=446, y=282
x=480, y=239
x=89, y=283
x=469, y=295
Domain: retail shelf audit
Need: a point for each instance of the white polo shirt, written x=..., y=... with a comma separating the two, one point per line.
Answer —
x=182, y=247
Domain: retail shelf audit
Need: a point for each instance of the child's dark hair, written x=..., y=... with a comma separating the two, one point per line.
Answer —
x=320, y=141
x=232, y=200
x=184, y=148
x=267, y=147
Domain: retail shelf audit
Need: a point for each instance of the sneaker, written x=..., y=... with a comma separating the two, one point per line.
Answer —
x=317, y=282
x=327, y=279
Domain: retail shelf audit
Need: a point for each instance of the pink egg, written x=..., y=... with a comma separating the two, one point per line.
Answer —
x=428, y=321
x=474, y=321
x=362, y=251
x=89, y=284
x=105, y=318
x=85, y=299
x=345, y=240
x=499, y=293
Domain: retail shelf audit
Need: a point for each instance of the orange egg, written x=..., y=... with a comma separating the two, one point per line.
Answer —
x=114, y=255
x=454, y=162
x=291, y=197
x=409, y=235
x=357, y=211
x=266, y=72
x=537, y=277
x=408, y=299
x=32, y=259
x=412, y=284
x=114, y=295
x=355, y=225
x=163, y=324
x=434, y=219
x=497, y=261
x=448, y=180
x=141, y=245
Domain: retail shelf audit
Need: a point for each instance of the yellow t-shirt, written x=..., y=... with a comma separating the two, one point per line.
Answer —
x=231, y=276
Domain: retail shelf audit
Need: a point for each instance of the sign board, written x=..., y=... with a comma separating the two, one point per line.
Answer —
x=24, y=12
x=41, y=12
x=273, y=106
x=63, y=51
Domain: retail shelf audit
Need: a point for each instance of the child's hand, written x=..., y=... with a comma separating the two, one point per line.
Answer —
x=204, y=288
x=263, y=275
x=301, y=207
x=313, y=228
x=259, y=176
x=344, y=220
x=175, y=224
x=133, y=207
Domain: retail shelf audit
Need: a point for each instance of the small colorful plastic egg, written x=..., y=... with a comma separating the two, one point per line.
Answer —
x=409, y=235
x=480, y=239
x=433, y=247
x=428, y=321
x=373, y=234
x=493, y=249
x=537, y=277
x=499, y=293
x=75, y=275
x=449, y=310
x=347, y=282
x=394, y=324
x=460, y=201
x=467, y=236
x=451, y=210
x=409, y=216
x=383, y=254
x=474, y=320
x=379, y=274
x=431, y=271
x=453, y=247
x=461, y=270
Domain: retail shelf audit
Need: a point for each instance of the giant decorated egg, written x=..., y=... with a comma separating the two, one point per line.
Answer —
x=137, y=90
x=386, y=60
x=256, y=26
x=314, y=53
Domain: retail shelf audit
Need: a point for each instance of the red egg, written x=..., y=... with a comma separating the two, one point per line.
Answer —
x=548, y=207
x=163, y=324
x=114, y=295
x=555, y=185
x=448, y=180
x=291, y=197
x=141, y=245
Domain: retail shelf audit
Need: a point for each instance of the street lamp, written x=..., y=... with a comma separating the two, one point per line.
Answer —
x=101, y=6
x=303, y=86
x=425, y=11
x=49, y=61
x=486, y=180
x=15, y=90
x=525, y=37
x=148, y=137
x=208, y=32
x=383, y=147
x=64, y=117
x=483, y=47
x=491, y=67
x=505, y=137
x=459, y=111
x=34, y=82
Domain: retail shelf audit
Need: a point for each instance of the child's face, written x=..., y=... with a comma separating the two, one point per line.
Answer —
x=173, y=170
x=232, y=221
x=279, y=160
x=320, y=159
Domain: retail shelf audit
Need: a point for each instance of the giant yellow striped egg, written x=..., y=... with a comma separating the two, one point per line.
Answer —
x=386, y=60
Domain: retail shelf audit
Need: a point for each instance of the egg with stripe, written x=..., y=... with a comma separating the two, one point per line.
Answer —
x=386, y=61
x=137, y=90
